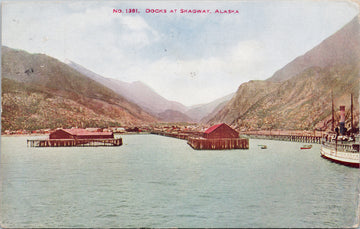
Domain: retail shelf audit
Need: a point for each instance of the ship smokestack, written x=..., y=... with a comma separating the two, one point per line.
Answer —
x=342, y=120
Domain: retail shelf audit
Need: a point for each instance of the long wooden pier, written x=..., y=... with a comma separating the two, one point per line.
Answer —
x=74, y=142
x=184, y=136
x=173, y=135
x=291, y=138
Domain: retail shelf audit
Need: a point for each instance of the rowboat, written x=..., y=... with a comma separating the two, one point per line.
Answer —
x=306, y=147
x=263, y=146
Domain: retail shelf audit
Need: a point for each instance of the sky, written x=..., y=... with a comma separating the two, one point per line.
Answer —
x=191, y=58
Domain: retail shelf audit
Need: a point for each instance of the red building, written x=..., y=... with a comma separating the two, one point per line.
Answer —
x=220, y=131
x=79, y=134
x=219, y=137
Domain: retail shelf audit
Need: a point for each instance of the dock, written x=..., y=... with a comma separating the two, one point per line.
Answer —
x=172, y=135
x=291, y=138
x=75, y=142
x=183, y=136
x=217, y=137
x=218, y=144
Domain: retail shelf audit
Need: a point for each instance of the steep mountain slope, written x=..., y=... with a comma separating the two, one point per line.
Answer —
x=142, y=95
x=340, y=48
x=246, y=96
x=198, y=112
x=174, y=116
x=136, y=92
x=299, y=95
x=214, y=112
x=41, y=92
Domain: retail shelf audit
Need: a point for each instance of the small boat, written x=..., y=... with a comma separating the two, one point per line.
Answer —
x=306, y=147
x=263, y=146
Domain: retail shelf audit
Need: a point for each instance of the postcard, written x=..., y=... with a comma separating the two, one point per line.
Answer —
x=154, y=114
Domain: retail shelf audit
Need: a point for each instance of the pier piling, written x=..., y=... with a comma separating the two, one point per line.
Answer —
x=74, y=142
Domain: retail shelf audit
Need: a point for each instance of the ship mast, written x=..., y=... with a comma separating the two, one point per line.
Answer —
x=332, y=112
x=352, y=107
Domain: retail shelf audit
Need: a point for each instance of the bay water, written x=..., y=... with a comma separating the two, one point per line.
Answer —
x=156, y=181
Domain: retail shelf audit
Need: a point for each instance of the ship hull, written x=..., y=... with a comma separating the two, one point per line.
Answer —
x=342, y=157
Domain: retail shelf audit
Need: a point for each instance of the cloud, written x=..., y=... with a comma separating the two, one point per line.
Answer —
x=81, y=32
x=101, y=22
x=137, y=32
x=245, y=58
x=135, y=23
x=107, y=43
x=90, y=17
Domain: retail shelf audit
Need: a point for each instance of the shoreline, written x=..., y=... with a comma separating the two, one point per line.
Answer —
x=22, y=135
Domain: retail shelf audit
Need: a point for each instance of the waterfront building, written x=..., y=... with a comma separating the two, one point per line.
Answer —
x=220, y=136
x=220, y=131
x=79, y=134
x=77, y=137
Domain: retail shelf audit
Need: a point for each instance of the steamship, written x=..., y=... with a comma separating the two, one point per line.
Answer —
x=343, y=146
x=341, y=151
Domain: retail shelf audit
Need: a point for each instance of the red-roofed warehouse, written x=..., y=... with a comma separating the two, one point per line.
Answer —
x=79, y=134
x=220, y=136
x=221, y=131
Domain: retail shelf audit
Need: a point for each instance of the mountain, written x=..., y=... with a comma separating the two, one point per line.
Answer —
x=298, y=96
x=141, y=94
x=136, y=92
x=39, y=91
x=244, y=99
x=218, y=108
x=174, y=116
x=198, y=112
x=339, y=49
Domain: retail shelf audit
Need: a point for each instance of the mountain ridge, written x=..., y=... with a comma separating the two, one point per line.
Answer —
x=340, y=48
x=137, y=92
x=298, y=96
x=57, y=95
x=140, y=93
x=201, y=111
